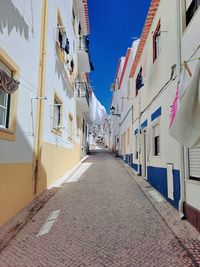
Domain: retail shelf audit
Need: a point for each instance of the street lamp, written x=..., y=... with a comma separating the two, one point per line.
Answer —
x=112, y=110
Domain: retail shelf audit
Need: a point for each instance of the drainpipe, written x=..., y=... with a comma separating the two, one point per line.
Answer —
x=40, y=107
x=132, y=135
x=139, y=132
x=181, y=149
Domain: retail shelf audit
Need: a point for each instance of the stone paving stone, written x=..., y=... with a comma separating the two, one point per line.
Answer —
x=105, y=219
x=187, y=236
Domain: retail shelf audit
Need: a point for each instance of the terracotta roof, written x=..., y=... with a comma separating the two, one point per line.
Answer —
x=147, y=26
x=124, y=67
x=87, y=78
x=86, y=15
x=119, y=63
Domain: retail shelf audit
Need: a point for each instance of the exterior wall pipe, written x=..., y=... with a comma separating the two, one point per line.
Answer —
x=40, y=106
x=182, y=171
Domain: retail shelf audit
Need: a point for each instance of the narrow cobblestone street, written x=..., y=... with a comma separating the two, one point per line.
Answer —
x=103, y=219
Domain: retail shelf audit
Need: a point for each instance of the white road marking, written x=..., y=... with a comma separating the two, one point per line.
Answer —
x=67, y=175
x=49, y=223
x=157, y=196
x=77, y=175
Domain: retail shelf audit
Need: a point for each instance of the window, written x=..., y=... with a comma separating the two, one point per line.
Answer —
x=57, y=114
x=9, y=72
x=156, y=42
x=139, y=82
x=4, y=109
x=61, y=37
x=191, y=8
x=156, y=140
x=70, y=127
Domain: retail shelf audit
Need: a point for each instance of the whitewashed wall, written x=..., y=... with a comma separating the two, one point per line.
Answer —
x=190, y=43
x=20, y=38
x=54, y=75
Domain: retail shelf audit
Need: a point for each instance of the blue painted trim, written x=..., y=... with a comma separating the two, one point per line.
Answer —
x=157, y=177
x=156, y=114
x=135, y=167
x=144, y=124
x=140, y=170
x=136, y=131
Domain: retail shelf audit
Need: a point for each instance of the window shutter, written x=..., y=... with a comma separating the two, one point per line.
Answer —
x=194, y=163
x=188, y=3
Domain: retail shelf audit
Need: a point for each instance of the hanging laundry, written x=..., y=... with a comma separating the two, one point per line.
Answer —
x=184, y=79
x=174, y=107
x=97, y=111
x=185, y=126
x=65, y=43
x=7, y=84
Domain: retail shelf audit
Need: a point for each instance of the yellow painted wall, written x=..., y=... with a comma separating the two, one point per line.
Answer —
x=16, y=181
x=16, y=189
x=56, y=161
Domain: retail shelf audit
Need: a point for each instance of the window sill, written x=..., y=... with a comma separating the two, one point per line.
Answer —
x=156, y=156
x=57, y=131
x=192, y=181
x=7, y=134
x=70, y=139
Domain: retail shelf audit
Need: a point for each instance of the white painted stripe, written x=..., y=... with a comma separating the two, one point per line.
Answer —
x=157, y=196
x=79, y=173
x=49, y=223
x=67, y=175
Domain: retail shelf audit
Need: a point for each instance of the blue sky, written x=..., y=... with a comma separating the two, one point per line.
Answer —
x=113, y=23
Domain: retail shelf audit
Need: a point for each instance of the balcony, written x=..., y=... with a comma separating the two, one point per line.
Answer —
x=82, y=96
x=83, y=55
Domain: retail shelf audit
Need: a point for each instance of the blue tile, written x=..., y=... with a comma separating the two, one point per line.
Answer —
x=157, y=177
x=144, y=124
x=156, y=114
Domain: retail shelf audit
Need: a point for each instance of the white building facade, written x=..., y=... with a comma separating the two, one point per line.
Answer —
x=168, y=39
x=44, y=62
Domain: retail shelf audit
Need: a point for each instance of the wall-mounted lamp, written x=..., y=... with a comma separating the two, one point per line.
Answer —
x=112, y=111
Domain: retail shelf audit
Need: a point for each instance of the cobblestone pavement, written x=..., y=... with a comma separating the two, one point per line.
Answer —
x=101, y=219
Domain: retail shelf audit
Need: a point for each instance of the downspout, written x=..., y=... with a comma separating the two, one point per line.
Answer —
x=139, y=133
x=181, y=149
x=40, y=107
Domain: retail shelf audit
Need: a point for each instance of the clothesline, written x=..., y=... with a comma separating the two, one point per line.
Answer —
x=185, y=65
x=198, y=58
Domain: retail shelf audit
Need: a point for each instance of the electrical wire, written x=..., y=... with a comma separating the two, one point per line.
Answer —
x=156, y=96
x=195, y=51
x=159, y=93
